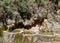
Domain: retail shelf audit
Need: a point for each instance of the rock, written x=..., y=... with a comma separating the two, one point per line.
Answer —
x=35, y=29
x=58, y=11
x=28, y=22
x=1, y=25
x=53, y=25
x=9, y=21
x=8, y=36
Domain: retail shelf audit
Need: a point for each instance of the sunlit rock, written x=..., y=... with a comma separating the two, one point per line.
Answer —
x=58, y=11
x=9, y=21
x=8, y=36
x=1, y=25
x=28, y=22
x=53, y=25
x=35, y=29
x=18, y=30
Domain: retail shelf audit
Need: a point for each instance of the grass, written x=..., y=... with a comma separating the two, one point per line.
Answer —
x=46, y=33
x=16, y=31
x=29, y=32
x=1, y=38
x=18, y=38
x=1, y=34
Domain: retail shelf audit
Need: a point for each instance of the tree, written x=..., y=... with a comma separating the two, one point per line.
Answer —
x=14, y=10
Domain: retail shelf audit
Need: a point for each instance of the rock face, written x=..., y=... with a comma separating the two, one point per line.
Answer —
x=53, y=21
x=53, y=25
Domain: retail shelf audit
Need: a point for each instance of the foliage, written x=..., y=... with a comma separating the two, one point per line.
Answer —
x=22, y=9
x=10, y=9
x=10, y=6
